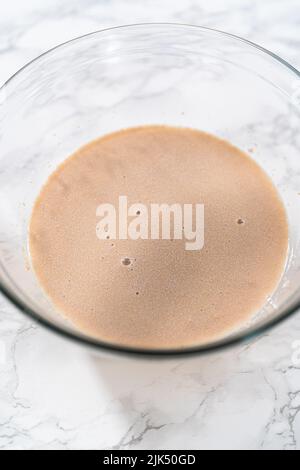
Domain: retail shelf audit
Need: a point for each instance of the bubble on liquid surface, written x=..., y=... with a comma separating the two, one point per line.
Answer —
x=240, y=221
x=126, y=261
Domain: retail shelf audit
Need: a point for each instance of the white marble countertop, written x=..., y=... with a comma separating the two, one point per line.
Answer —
x=54, y=395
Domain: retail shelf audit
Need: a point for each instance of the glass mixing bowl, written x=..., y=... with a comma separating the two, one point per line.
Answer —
x=135, y=75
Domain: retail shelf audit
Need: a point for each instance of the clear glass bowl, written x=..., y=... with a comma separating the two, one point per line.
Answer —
x=144, y=74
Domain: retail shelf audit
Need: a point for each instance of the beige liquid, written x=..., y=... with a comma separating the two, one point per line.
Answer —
x=166, y=297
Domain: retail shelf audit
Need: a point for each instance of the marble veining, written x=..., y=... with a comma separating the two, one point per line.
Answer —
x=55, y=395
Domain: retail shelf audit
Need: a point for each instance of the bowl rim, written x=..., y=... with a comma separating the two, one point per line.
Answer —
x=105, y=347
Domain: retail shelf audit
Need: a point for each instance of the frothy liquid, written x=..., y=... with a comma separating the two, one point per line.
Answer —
x=154, y=293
